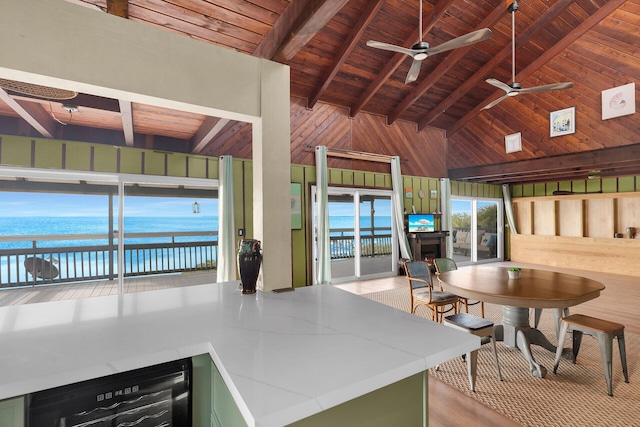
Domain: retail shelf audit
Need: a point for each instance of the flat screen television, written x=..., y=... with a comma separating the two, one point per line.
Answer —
x=421, y=223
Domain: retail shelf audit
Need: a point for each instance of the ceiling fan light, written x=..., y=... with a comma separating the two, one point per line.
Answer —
x=513, y=93
x=420, y=56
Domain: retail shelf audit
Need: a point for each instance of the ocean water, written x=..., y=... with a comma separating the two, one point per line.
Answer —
x=14, y=226
x=12, y=268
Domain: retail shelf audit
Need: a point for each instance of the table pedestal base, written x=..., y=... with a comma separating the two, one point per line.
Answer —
x=517, y=333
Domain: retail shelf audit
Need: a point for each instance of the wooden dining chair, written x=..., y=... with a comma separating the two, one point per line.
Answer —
x=447, y=264
x=423, y=293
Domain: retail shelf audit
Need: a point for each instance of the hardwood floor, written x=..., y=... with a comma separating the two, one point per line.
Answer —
x=450, y=408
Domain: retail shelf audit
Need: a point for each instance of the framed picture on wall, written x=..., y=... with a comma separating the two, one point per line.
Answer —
x=562, y=122
x=619, y=101
x=296, y=206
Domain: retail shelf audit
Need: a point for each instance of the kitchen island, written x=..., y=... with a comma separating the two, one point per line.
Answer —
x=284, y=357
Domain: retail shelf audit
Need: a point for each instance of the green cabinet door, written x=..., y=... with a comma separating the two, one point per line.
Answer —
x=12, y=412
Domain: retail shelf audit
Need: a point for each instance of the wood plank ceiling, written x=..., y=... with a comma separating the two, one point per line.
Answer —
x=593, y=43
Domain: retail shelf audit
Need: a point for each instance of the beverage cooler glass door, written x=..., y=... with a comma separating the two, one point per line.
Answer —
x=156, y=396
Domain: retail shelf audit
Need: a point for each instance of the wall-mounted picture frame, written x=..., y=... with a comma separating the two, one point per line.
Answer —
x=296, y=206
x=562, y=122
x=513, y=142
x=619, y=101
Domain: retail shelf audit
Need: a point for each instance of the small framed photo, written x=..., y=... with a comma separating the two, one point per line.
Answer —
x=296, y=206
x=513, y=142
x=619, y=101
x=562, y=122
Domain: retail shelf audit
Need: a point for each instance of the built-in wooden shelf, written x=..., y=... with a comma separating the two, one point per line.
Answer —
x=577, y=231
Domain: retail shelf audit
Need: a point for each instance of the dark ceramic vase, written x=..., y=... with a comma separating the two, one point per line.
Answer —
x=249, y=260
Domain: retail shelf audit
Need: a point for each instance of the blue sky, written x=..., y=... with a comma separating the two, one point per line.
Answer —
x=40, y=204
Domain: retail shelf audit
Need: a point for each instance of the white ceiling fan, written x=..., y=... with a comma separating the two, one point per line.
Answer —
x=515, y=88
x=421, y=50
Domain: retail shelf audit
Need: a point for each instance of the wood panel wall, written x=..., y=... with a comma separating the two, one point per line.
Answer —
x=577, y=231
x=593, y=65
x=423, y=153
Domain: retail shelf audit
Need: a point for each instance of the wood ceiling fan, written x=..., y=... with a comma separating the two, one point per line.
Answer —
x=421, y=50
x=515, y=88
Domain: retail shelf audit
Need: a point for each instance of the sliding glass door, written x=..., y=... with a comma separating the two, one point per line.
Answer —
x=477, y=229
x=363, y=242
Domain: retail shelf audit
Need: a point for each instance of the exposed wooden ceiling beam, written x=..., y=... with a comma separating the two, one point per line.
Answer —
x=206, y=133
x=442, y=69
x=299, y=22
x=126, y=113
x=32, y=114
x=611, y=162
x=392, y=65
x=585, y=26
x=347, y=47
x=296, y=26
x=118, y=7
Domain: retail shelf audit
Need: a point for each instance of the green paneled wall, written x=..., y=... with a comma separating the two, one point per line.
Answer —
x=53, y=154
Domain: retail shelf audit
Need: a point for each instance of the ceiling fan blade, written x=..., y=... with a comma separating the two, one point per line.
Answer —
x=414, y=71
x=494, y=103
x=497, y=83
x=467, y=39
x=548, y=88
x=390, y=47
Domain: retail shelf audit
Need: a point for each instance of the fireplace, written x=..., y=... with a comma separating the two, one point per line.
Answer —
x=427, y=246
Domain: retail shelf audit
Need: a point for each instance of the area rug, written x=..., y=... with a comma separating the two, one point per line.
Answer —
x=575, y=396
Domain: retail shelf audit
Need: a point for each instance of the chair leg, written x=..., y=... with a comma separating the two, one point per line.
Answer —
x=577, y=341
x=623, y=356
x=482, y=308
x=472, y=368
x=561, y=336
x=495, y=357
x=606, y=341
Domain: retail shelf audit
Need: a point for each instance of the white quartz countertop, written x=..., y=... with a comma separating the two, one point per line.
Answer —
x=284, y=356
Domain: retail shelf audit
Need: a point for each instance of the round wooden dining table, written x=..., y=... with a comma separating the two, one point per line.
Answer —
x=534, y=289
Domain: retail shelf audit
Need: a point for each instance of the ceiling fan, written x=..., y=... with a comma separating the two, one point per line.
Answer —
x=515, y=88
x=421, y=50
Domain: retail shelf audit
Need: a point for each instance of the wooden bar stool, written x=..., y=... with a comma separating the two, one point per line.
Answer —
x=480, y=327
x=605, y=331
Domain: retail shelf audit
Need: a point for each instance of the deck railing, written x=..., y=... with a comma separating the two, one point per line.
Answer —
x=378, y=243
x=49, y=261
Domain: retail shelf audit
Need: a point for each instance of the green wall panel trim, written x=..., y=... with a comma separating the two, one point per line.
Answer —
x=609, y=185
x=369, y=180
x=358, y=179
x=48, y=154
x=297, y=173
x=105, y=158
x=539, y=189
x=130, y=161
x=12, y=412
x=579, y=185
x=347, y=178
x=16, y=151
x=626, y=184
x=78, y=157
x=176, y=165
x=593, y=185
x=154, y=163
x=197, y=166
x=404, y=403
x=335, y=176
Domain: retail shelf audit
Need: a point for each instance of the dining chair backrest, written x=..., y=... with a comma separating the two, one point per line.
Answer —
x=445, y=264
x=418, y=270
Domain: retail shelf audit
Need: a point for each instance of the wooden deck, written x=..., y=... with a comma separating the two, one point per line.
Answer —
x=74, y=290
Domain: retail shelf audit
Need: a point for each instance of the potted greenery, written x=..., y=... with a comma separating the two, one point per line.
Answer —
x=514, y=272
